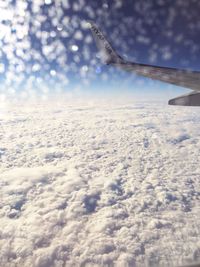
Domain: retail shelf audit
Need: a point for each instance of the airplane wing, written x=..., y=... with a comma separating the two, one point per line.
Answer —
x=184, y=78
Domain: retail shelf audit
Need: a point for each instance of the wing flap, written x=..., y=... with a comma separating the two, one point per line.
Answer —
x=192, y=99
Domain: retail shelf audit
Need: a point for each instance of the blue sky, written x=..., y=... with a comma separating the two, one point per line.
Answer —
x=46, y=45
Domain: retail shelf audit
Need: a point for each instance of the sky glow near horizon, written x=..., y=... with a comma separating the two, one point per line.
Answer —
x=46, y=47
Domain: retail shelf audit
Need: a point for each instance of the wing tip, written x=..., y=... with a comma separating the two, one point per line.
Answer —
x=108, y=54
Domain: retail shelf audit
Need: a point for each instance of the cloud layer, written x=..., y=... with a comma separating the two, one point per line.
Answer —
x=99, y=185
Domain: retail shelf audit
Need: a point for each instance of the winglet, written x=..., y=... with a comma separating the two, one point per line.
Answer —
x=107, y=53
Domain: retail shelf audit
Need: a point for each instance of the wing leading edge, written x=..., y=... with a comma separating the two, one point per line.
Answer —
x=184, y=78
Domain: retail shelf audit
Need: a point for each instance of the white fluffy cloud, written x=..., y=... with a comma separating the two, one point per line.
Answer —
x=98, y=185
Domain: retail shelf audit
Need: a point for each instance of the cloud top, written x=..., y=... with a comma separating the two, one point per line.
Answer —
x=99, y=185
